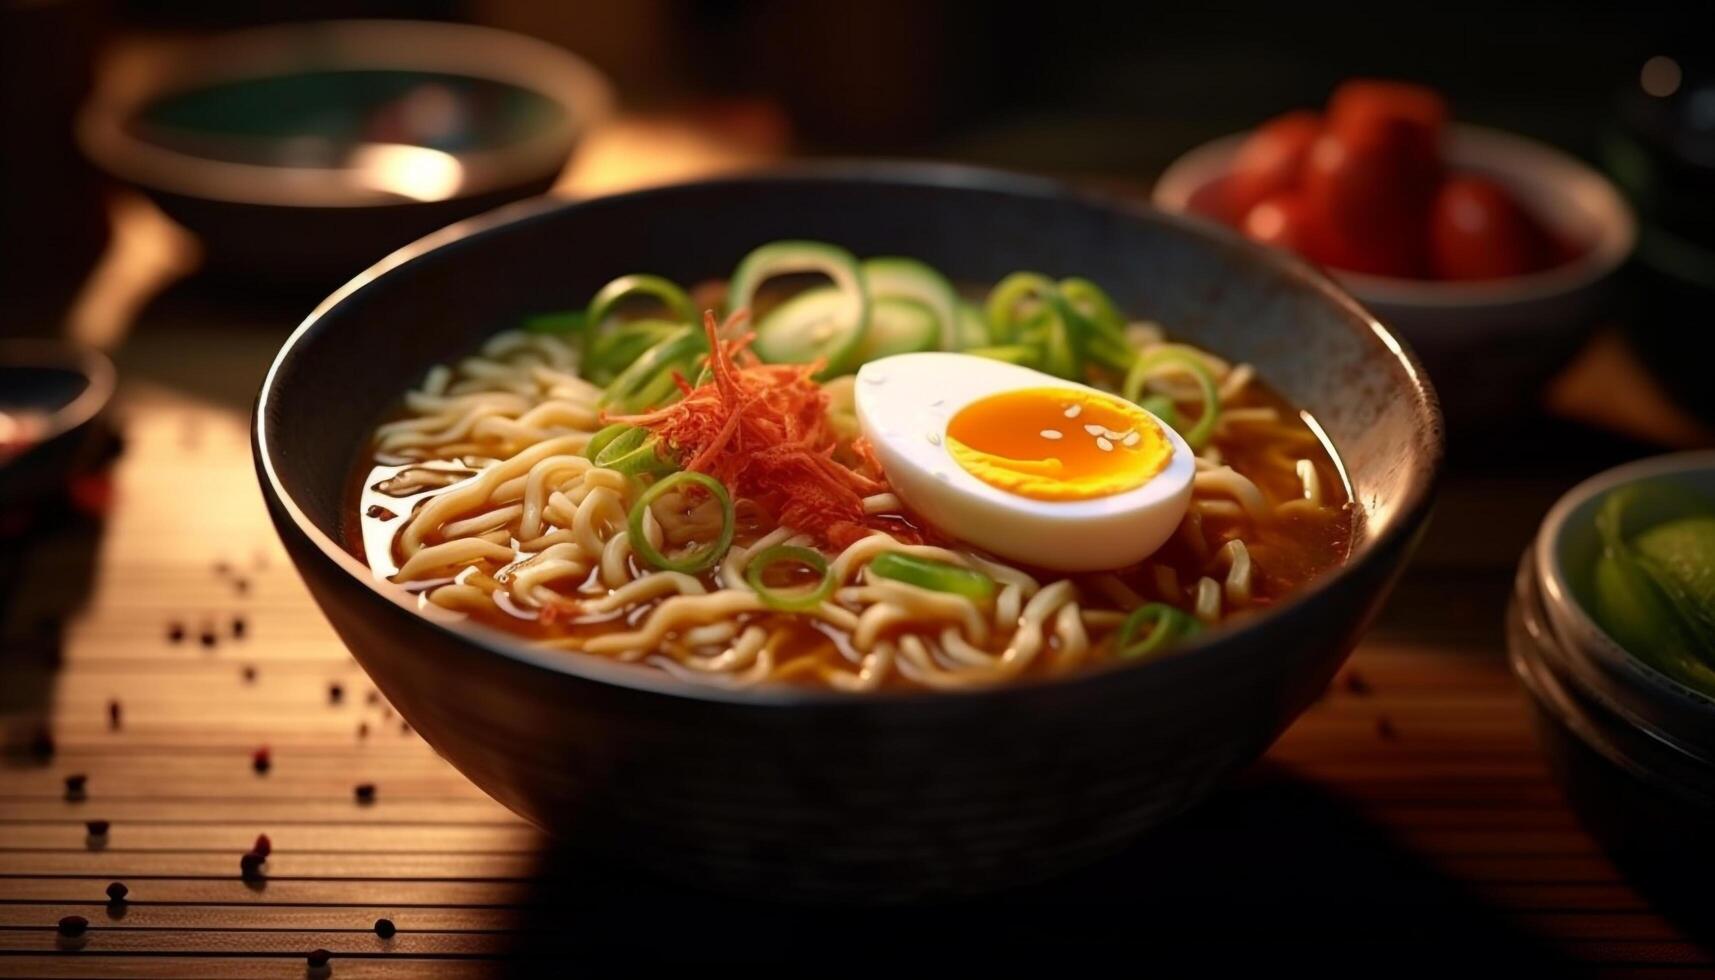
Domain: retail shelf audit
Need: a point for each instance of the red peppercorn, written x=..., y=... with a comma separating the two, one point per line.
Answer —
x=263, y=845
x=365, y=792
x=117, y=891
x=385, y=928
x=261, y=760
x=250, y=865
x=73, y=925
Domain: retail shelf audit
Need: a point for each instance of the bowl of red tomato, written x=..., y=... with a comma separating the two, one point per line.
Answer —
x=1492, y=253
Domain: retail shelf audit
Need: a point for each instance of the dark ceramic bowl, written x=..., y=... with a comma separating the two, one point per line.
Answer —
x=301, y=153
x=827, y=794
x=51, y=396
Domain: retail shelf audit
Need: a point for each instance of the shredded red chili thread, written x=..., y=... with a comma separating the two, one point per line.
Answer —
x=763, y=431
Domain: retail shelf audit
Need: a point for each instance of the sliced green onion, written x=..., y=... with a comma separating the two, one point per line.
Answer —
x=605, y=437
x=1197, y=436
x=832, y=338
x=608, y=298
x=629, y=449
x=1167, y=627
x=699, y=559
x=1050, y=331
x=1162, y=407
x=1005, y=316
x=897, y=326
x=639, y=386
x=928, y=573
x=618, y=444
x=1092, y=302
x=646, y=459
x=1010, y=353
x=973, y=332
x=790, y=600
x=568, y=322
x=896, y=278
x=614, y=350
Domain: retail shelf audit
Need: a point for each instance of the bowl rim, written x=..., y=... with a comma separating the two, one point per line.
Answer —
x=1615, y=240
x=97, y=369
x=101, y=126
x=1405, y=520
x=1562, y=604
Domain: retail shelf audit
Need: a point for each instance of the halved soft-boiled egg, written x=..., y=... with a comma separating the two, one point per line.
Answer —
x=1022, y=464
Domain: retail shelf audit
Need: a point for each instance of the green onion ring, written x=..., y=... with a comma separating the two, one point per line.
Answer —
x=1197, y=436
x=697, y=560
x=927, y=573
x=603, y=438
x=1170, y=626
x=1001, y=310
x=678, y=305
x=796, y=600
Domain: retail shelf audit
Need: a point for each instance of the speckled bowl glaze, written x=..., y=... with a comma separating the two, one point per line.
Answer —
x=822, y=794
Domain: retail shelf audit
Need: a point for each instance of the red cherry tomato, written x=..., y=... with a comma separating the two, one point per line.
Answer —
x=1271, y=159
x=1372, y=191
x=1478, y=231
x=1283, y=221
x=1372, y=109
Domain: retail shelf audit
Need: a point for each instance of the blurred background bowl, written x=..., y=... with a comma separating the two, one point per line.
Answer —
x=301, y=153
x=1633, y=749
x=796, y=792
x=1490, y=345
x=51, y=396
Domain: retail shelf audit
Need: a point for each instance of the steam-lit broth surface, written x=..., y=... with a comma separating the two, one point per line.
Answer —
x=481, y=498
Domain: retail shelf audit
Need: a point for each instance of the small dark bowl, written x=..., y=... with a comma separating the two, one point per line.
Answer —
x=65, y=389
x=820, y=793
x=292, y=151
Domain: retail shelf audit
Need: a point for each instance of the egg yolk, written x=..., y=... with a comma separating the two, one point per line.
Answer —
x=1058, y=443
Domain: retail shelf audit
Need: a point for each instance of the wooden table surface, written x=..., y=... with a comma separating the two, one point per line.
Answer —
x=1405, y=823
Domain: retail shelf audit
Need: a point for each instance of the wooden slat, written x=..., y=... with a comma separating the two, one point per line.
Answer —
x=79, y=967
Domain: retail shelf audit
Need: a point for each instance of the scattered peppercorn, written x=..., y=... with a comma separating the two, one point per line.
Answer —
x=113, y=714
x=261, y=760
x=238, y=627
x=242, y=585
x=1385, y=729
x=365, y=792
x=319, y=958
x=117, y=891
x=250, y=865
x=363, y=729
x=336, y=693
x=248, y=673
x=73, y=925
x=175, y=632
x=76, y=786
x=373, y=697
x=385, y=928
x=96, y=828
x=208, y=639
x=42, y=743
x=404, y=727
x=1356, y=683
x=263, y=845
x=222, y=569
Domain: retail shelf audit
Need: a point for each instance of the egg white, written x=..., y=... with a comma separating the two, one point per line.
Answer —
x=904, y=403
